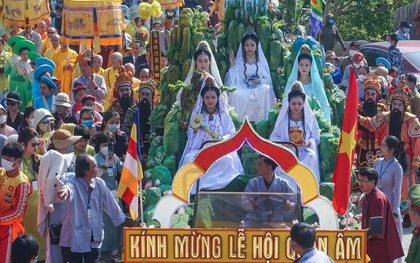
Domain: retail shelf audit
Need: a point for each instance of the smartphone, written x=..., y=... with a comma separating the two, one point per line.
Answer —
x=110, y=150
x=52, y=126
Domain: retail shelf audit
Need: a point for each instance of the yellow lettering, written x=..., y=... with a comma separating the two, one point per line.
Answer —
x=181, y=247
x=353, y=248
x=268, y=246
x=134, y=251
x=257, y=247
x=241, y=246
x=205, y=247
x=151, y=248
x=322, y=244
x=161, y=246
x=289, y=253
x=339, y=247
x=217, y=247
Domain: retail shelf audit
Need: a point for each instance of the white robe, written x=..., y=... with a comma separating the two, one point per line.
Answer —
x=252, y=100
x=224, y=170
x=307, y=155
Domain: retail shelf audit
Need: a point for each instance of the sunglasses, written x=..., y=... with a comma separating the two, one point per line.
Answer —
x=11, y=103
x=35, y=144
x=50, y=32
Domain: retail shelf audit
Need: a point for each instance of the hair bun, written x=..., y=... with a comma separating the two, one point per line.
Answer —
x=209, y=81
x=297, y=85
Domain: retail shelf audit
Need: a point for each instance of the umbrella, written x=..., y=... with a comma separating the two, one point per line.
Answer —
x=25, y=12
x=92, y=22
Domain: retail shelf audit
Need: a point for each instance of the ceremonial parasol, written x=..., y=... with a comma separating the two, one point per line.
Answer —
x=92, y=22
x=25, y=12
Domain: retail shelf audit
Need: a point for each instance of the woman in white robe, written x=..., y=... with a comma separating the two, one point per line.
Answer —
x=296, y=122
x=305, y=70
x=217, y=119
x=250, y=74
x=202, y=60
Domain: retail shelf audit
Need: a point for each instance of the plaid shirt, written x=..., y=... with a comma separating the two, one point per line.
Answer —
x=396, y=59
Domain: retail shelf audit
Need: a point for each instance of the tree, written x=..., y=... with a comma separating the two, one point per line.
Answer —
x=364, y=19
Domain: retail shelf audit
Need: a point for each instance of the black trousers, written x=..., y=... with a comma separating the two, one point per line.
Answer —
x=72, y=257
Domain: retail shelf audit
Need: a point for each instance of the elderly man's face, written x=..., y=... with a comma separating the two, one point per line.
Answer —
x=97, y=63
x=115, y=61
x=124, y=90
x=84, y=68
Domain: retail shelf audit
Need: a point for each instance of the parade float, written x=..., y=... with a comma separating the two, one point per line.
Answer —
x=185, y=229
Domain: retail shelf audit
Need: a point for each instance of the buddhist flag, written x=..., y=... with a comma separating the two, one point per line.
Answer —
x=132, y=172
x=315, y=17
x=345, y=158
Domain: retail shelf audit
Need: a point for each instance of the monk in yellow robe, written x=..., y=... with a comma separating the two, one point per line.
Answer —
x=64, y=60
x=110, y=75
x=55, y=47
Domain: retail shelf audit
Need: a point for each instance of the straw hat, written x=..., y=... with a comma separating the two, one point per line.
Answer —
x=63, y=139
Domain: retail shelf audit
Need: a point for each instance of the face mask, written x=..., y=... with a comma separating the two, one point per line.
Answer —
x=291, y=247
x=88, y=123
x=387, y=44
x=406, y=30
x=3, y=119
x=352, y=52
x=7, y=165
x=362, y=77
x=356, y=65
x=331, y=21
x=45, y=127
x=31, y=122
x=104, y=150
x=113, y=127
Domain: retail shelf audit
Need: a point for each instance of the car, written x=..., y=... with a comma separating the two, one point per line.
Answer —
x=409, y=48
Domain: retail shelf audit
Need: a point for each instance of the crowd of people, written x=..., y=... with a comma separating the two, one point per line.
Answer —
x=66, y=116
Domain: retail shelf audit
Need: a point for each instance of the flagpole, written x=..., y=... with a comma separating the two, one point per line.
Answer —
x=141, y=180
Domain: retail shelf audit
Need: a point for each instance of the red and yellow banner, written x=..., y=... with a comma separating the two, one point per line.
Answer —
x=25, y=12
x=84, y=21
x=235, y=245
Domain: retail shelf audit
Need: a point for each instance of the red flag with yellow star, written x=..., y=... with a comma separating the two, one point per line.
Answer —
x=345, y=157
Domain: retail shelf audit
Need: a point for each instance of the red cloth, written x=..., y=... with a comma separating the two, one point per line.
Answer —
x=345, y=157
x=387, y=246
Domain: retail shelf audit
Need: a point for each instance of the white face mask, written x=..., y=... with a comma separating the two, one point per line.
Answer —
x=387, y=44
x=352, y=52
x=356, y=65
x=7, y=165
x=31, y=122
x=104, y=150
x=3, y=119
x=362, y=77
x=406, y=30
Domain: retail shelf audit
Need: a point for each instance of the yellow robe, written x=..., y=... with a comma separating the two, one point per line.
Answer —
x=49, y=53
x=60, y=59
x=4, y=78
x=46, y=44
x=110, y=75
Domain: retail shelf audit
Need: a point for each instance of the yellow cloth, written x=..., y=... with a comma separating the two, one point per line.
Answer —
x=49, y=53
x=30, y=217
x=61, y=59
x=135, y=29
x=89, y=150
x=110, y=75
x=4, y=78
x=46, y=44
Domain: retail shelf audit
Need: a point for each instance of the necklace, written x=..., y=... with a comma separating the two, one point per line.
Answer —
x=306, y=81
x=211, y=114
x=250, y=60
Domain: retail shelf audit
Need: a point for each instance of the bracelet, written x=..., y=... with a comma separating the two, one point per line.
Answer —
x=104, y=167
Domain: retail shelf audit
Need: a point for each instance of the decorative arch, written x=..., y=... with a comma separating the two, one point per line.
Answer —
x=189, y=173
